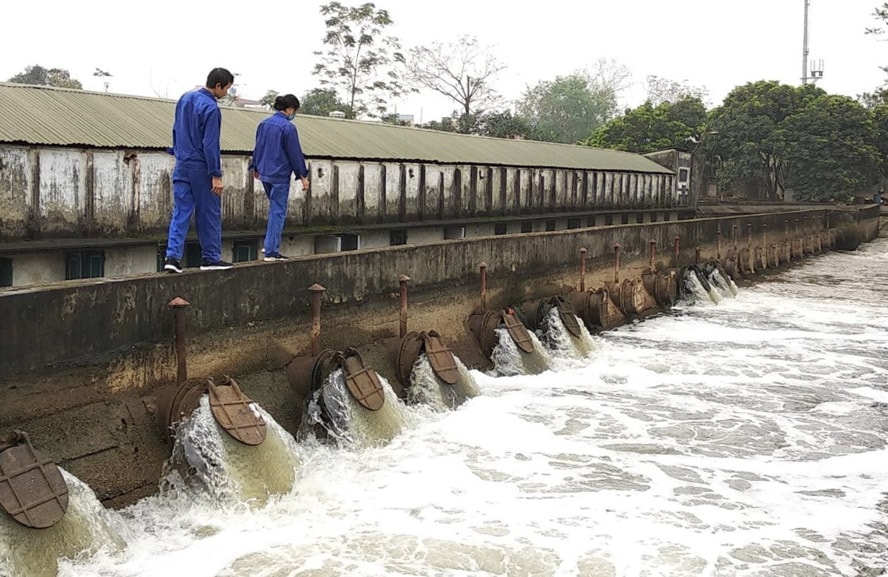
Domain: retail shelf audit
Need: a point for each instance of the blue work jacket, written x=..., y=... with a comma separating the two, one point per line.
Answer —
x=278, y=153
x=196, y=132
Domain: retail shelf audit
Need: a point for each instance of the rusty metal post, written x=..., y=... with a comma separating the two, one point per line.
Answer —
x=583, y=269
x=317, y=292
x=178, y=305
x=676, y=250
x=653, y=245
x=483, y=267
x=617, y=262
x=402, y=301
x=718, y=244
x=697, y=255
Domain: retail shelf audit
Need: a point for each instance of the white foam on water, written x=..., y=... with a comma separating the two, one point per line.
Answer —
x=748, y=439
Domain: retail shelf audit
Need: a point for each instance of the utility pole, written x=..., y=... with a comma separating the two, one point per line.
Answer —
x=805, y=46
x=816, y=67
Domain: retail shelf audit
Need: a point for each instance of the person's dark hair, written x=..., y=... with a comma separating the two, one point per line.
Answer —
x=286, y=101
x=220, y=76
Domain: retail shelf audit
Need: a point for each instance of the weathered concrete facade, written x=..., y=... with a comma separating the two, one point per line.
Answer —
x=89, y=198
x=63, y=192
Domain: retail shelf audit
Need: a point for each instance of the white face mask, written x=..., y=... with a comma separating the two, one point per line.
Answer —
x=291, y=116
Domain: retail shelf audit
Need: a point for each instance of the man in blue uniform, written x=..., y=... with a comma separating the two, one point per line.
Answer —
x=197, y=177
x=277, y=155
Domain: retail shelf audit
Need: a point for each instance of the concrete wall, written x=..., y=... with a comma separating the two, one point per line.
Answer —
x=67, y=192
x=107, y=316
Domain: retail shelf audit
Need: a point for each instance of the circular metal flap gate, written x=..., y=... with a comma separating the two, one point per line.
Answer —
x=632, y=297
x=362, y=382
x=32, y=489
x=232, y=411
x=177, y=401
x=440, y=358
x=518, y=332
x=565, y=312
x=408, y=351
x=666, y=293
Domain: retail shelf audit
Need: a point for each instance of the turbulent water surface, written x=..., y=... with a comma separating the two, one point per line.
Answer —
x=746, y=438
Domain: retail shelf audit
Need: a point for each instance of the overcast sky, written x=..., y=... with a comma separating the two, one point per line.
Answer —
x=165, y=47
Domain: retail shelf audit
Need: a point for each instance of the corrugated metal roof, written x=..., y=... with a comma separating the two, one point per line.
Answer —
x=57, y=116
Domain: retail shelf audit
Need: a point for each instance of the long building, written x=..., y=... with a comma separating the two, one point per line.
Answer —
x=86, y=190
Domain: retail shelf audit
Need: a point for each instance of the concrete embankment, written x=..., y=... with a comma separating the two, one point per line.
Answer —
x=81, y=361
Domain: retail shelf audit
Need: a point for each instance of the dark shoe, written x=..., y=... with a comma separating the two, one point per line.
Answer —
x=274, y=256
x=218, y=265
x=172, y=265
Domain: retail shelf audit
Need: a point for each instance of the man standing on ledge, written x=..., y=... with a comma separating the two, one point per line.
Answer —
x=197, y=176
x=276, y=156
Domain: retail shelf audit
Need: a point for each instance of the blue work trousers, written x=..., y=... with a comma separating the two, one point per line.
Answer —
x=193, y=194
x=278, y=195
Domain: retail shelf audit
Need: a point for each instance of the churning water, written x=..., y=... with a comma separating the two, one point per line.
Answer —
x=746, y=438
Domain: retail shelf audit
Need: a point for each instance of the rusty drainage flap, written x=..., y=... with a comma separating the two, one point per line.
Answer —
x=440, y=358
x=518, y=332
x=631, y=297
x=666, y=292
x=177, y=401
x=568, y=316
x=32, y=489
x=487, y=333
x=408, y=352
x=363, y=382
x=232, y=411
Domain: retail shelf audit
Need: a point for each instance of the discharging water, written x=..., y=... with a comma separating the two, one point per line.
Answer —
x=746, y=438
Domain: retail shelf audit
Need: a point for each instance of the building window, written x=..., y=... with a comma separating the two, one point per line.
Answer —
x=397, y=237
x=624, y=218
x=500, y=228
x=526, y=227
x=666, y=217
x=590, y=222
x=550, y=225
x=350, y=241
x=573, y=223
x=85, y=264
x=653, y=217
x=454, y=232
x=639, y=218
x=683, y=175
x=244, y=250
x=608, y=219
x=5, y=272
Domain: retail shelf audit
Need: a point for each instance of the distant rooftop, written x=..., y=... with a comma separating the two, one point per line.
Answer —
x=40, y=115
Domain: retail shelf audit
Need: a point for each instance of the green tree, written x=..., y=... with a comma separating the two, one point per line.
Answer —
x=830, y=149
x=443, y=125
x=503, y=124
x=360, y=61
x=461, y=71
x=746, y=133
x=40, y=76
x=567, y=109
x=880, y=94
x=268, y=100
x=660, y=90
x=648, y=128
x=321, y=102
x=880, y=137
